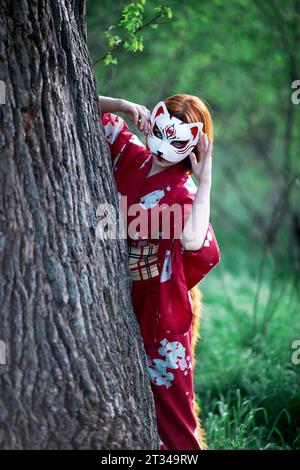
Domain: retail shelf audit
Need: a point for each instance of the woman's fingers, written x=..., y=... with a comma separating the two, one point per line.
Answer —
x=206, y=141
x=210, y=146
x=193, y=159
x=136, y=117
x=143, y=122
x=202, y=144
x=205, y=146
x=138, y=114
x=148, y=121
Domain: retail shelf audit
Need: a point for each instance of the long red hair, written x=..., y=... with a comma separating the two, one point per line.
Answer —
x=190, y=108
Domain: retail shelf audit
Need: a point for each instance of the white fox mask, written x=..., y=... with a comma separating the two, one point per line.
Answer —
x=171, y=137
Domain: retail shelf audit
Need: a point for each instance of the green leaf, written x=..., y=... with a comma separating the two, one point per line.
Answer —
x=109, y=59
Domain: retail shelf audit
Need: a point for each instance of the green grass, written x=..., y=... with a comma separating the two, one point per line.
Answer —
x=246, y=384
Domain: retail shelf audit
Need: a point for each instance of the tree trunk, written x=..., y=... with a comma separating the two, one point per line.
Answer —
x=75, y=375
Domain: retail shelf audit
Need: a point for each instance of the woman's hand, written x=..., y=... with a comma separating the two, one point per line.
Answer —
x=137, y=113
x=203, y=169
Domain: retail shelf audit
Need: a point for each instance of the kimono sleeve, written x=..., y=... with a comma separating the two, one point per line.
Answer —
x=116, y=133
x=180, y=269
x=198, y=263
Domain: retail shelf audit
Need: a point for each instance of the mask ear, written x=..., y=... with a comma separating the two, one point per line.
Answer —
x=196, y=128
x=159, y=108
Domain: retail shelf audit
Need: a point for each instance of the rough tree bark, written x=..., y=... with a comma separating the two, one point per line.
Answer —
x=75, y=373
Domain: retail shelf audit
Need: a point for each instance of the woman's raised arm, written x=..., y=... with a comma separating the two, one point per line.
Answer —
x=137, y=113
x=110, y=105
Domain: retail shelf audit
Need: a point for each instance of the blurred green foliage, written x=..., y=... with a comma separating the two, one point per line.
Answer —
x=241, y=58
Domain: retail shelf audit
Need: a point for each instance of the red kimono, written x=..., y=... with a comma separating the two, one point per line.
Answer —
x=161, y=278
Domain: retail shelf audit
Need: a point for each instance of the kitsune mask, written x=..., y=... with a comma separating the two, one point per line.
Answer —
x=170, y=136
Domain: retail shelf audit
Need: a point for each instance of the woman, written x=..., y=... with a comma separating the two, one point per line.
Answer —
x=171, y=244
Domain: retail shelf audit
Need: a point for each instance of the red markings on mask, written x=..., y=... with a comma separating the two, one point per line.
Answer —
x=159, y=111
x=194, y=131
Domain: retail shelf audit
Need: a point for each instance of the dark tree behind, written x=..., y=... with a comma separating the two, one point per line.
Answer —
x=75, y=373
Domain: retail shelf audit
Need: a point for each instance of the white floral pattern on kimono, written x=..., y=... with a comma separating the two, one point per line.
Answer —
x=166, y=272
x=152, y=199
x=175, y=358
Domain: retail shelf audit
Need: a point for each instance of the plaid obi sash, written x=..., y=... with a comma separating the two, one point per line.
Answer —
x=143, y=261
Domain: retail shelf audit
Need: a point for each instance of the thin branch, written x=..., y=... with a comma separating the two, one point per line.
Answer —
x=232, y=220
x=268, y=235
x=231, y=303
x=272, y=304
x=137, y=30
x=239, y=189
x=280, y=27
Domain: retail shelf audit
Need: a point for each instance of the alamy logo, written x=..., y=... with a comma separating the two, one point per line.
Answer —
x=137, y=223
x=2, y=92
x=2, y=353
x=296, y=354
x=295, y=97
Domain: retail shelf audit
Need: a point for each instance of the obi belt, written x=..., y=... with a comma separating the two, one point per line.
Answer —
x=143, y=260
